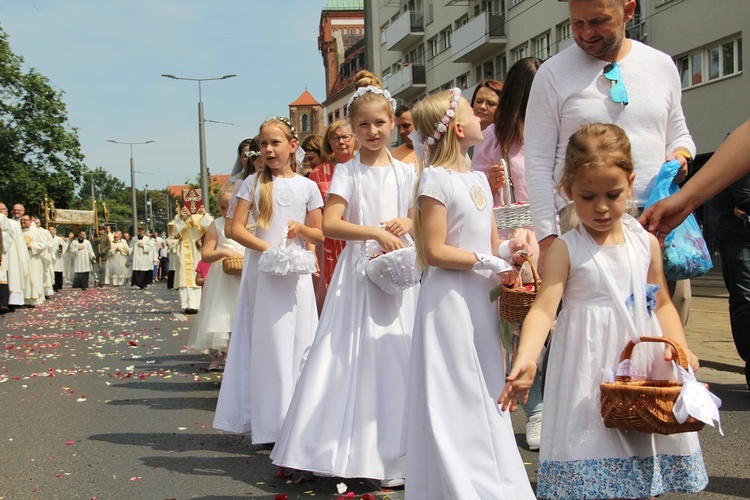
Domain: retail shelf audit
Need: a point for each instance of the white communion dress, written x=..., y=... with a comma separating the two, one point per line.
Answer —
x=274, y=325
x=459, y=444
x=347, y=415
x=218, y=301
x=580, y=457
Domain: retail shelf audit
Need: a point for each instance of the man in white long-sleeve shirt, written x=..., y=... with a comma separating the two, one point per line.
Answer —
x=571, y=89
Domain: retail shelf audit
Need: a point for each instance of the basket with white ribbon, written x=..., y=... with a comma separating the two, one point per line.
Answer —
x=283, y=259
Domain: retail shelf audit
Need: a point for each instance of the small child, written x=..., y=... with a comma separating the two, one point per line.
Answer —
x=595, y=268
x=277, y=317
x=213, y=325
x=459, y=444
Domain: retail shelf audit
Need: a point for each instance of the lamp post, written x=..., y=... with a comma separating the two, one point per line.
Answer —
x=201, y=133
x=132, y=180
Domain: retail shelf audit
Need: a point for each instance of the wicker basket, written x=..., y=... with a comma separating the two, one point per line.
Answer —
x=232, y=265
x=514, y=303
x=512, y=216
x=645, y=405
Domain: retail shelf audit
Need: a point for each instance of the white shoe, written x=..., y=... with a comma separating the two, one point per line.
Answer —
x=391, y=483
x=534, y=432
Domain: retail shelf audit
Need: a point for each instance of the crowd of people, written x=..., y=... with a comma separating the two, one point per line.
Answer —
x=356, y=333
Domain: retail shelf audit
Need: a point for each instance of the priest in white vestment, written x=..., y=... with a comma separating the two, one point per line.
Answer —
x=83, y=260
x=117, y=270
x=187, y=230
x=18, y=262
x=142, y=249
x=36, y=245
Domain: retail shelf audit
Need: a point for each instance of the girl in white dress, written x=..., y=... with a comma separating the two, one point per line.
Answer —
x=275, y=325
x=117, y=262
x=346, y=417
x=579, y=456
x=214, y=322
x=459, y=444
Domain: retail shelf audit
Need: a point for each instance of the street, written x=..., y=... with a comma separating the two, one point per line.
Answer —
x=100, y=399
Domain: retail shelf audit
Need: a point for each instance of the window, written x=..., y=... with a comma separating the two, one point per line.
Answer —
x=515, y=2
x=445, y=39
x=521, y=52
x=430, y=14
x=462, y=81
x=432, y=47
x=382, y=33
x=488, y=70
x=305, y=122
x=461, y=21
x=563, y=31
x=501, y=63
x=542, y=47
x=711, y=63
x=447, y=86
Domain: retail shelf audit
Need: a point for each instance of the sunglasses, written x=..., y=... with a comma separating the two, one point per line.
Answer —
x=617, y=91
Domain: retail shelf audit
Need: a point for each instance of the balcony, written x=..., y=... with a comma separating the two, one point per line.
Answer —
x=404, y=31
x=407, y=82
x=483, y=35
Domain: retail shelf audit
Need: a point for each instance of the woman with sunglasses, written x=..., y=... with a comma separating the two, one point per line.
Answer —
x=339, y=146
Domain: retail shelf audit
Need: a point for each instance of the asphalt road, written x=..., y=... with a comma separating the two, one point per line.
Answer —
x=100, y=399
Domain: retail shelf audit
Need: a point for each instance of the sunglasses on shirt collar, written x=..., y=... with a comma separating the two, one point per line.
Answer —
x=617, y=92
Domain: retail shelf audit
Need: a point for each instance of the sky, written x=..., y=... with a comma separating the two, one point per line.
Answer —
x=108, y=57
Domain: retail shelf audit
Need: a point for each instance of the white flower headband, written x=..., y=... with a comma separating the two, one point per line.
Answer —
x=364, y=90
x=286, y=122
x=442, y=125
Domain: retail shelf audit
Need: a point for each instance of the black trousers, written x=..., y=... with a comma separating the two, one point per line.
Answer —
x=81, y=280
x=58, y=284
x=141, y=278
x=170, y=279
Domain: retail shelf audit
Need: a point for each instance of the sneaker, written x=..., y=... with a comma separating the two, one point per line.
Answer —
x=534, y=432
x=391, y=483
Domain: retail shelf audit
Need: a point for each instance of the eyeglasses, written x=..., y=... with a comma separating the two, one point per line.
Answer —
x=337, y=138
x=617, y=91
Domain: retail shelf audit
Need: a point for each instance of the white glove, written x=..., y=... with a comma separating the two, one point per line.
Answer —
x=491, y=263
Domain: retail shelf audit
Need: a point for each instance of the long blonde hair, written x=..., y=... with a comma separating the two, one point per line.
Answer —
x=445, y=152
x=264, y=209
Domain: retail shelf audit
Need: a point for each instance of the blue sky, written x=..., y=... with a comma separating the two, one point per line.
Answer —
x=107, y=57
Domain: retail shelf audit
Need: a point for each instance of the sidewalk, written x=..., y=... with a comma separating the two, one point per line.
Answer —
x=709, y=334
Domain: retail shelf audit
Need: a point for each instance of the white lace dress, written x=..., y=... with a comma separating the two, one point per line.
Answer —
x=347, y=414
x=459, y=444
x=274, y=325
x=579, y=456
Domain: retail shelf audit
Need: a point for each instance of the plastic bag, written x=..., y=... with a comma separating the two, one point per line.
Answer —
x=685, y=251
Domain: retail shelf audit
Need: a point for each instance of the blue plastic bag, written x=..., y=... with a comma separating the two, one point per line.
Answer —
x=685, y=252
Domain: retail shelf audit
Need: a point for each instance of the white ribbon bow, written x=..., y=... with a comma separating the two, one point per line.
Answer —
x=695, y=400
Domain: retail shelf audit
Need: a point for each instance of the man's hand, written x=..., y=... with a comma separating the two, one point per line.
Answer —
x=544, y=245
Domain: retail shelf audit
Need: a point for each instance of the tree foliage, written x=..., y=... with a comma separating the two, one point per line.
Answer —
x=39, y=151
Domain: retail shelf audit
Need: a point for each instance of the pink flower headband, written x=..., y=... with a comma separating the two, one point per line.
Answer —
x=442, y=125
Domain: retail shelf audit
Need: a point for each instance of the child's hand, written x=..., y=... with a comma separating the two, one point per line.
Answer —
x=387, y=241
x=511, y=278
x=398, y=227
x=670, y=354
x=293, y=229
x=231, y=254
x=517, y=384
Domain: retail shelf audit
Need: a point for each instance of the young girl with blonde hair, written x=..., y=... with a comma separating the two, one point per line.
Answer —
x=277, y=317
x=346, y=418
x=459, y=444
x=603, y=271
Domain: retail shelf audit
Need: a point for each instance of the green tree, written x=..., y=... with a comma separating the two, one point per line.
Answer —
x=39, y=151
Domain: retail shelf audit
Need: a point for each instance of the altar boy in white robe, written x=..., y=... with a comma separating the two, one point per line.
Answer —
x=83, y=262
x=187, y=230
x=142, y=249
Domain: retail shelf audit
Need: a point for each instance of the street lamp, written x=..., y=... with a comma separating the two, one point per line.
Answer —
x=132, y=180
x=201, y=133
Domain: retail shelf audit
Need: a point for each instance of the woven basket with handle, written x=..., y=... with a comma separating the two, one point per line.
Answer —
x=511, y=215
x=645, y=405
x=514, y=303
x=232, y=265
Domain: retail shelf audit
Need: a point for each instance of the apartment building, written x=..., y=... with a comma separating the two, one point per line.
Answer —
x=423, y=46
